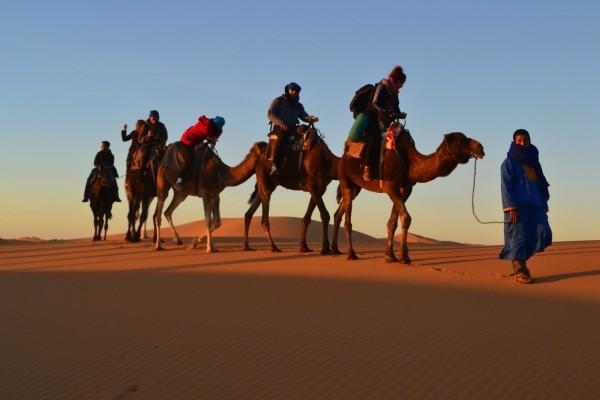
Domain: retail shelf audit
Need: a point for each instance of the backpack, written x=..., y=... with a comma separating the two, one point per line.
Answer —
x=361, y=99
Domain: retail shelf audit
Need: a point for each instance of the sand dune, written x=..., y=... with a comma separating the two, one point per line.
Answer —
x=282, y=228
x=414, y=238
x=112, y=320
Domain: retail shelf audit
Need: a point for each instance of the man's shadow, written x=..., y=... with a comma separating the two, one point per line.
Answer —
x=568, y=275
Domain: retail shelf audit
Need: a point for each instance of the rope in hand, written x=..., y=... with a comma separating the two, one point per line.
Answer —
x=473, y=200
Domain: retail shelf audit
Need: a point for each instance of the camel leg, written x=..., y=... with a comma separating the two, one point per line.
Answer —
x=325, y=222
x=178, y=198
x=317, y=199
x=208, y=221
x=135, y=214
x=265, y=221
x=215, y=211
x=305, y=222
x=347, y=194
x=143, y=217
x=337, y=220
x=248, y=219
x=100, y=223
x=157, y=219
x=145, y=231
x=392, y=224
x=129, y=229
x=95, y=237
x=105, y=225
x=406, y=220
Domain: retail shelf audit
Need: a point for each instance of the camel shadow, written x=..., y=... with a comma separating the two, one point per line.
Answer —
x=568, y=275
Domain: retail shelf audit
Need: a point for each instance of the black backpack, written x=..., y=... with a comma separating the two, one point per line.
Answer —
x=361, y=99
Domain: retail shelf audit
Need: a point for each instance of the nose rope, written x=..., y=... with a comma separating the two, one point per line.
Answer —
x=473, y=200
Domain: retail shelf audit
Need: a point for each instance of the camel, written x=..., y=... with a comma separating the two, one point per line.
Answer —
x=310, y=171
x=398, y=181
x=208, y=181
x=140, y=185
x=101, y=201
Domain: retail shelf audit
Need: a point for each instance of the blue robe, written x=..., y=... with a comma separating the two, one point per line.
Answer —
x=531, y=233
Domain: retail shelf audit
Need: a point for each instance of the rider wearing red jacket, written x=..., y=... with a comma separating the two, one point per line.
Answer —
x=205, y=129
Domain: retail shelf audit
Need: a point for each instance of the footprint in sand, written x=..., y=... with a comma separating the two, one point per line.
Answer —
x=127, y=392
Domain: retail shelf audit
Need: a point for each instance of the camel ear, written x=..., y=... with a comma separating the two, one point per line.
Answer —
x=259, y=147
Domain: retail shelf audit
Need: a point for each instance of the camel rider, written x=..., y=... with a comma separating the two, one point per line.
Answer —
x=158, y=129
x=382, y=109
x=156, y=140
x=283, y=114
x=106, y=160
x=206, y=130
x=138, y=137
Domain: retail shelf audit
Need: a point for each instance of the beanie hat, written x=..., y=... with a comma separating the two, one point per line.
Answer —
x=292, y=85
x=154, y=114
x=219, y=121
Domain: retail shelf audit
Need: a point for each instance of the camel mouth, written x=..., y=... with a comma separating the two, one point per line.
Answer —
x=477, y=156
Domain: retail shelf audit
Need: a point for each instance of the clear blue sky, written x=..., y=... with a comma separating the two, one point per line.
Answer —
x=71, y=73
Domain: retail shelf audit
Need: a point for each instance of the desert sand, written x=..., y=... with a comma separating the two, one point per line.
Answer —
x=113, y=320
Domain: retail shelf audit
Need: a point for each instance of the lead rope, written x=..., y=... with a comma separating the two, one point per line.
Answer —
x=473, y=200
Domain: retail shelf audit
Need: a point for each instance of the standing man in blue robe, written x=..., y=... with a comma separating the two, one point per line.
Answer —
x=525, y=201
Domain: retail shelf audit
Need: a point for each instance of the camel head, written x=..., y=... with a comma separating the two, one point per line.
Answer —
x=259, y=149
x=461, y=147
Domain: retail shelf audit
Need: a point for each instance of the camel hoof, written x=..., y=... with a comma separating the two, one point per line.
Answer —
x=390, y=258
x=335, y=252
x=275, y=250
x=325, y=251
x=159, y=248
x=352, y=256
x=405, y=260
x=178, y=241
x=305, y=249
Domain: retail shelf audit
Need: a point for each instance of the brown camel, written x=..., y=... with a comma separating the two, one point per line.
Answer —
x=140, y=185
x=398, y=181
x=101, y=201
x=207, y=181
x=310, y=171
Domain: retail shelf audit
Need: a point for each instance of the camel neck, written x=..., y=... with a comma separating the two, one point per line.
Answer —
x=425, y=168
x=236, y=175
x=333, y=161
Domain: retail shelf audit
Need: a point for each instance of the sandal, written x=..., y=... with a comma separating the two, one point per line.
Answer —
x=523, y=277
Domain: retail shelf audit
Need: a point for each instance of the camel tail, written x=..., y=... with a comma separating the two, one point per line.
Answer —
x=253, y=195
x=338, y=196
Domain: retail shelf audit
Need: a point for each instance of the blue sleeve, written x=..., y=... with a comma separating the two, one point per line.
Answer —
x=507, y=188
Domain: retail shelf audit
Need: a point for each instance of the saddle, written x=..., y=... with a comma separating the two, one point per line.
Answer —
x=304, y=140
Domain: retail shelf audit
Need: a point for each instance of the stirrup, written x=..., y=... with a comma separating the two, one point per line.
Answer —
x=366, y=174
x=178, y=187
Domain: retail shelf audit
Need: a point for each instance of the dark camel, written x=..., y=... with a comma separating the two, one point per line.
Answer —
x=398, y=181
x=310, y=171
x=101, y=201
x=207, y=182
x=140, y=185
